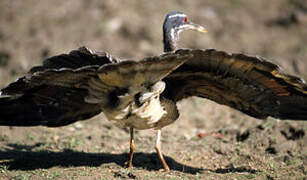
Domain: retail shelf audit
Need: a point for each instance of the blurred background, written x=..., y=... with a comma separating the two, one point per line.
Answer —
x=33, y=30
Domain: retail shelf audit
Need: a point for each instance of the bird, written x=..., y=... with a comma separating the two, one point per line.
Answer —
x=143, y=94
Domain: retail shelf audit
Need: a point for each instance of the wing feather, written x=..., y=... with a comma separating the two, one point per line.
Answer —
x=252, y=85
x=53, y=94
x=144, y=72
x=76, y=59
x=131, y=77
x=77, y=86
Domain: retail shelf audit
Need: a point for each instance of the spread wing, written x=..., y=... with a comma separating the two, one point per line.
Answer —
x=77, y=86
x=251, y=85
x=48, y=94
x=81, y=58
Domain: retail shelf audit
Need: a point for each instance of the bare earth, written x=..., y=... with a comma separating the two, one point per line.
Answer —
x=209, y=141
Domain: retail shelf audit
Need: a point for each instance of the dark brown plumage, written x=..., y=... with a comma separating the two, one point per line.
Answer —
x=143, y=94
x=53, y=94
x=252, y=85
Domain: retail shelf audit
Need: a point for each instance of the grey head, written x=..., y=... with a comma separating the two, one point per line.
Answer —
x=174, y=23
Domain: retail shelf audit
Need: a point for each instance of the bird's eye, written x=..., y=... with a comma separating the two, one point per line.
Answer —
x=185, y=19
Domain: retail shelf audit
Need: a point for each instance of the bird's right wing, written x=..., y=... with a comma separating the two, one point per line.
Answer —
x=249, y=84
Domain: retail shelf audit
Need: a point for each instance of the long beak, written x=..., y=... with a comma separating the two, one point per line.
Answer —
x=196, y=27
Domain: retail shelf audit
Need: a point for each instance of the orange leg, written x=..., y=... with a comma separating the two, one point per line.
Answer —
x=158, y=149
x=132, y=147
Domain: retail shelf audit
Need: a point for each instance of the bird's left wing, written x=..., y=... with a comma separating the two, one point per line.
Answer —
x=53, y=94
x=249, y=84
x=57, y=97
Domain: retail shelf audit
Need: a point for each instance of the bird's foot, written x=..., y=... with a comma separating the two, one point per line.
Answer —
x=128, y=164
x=164, y=170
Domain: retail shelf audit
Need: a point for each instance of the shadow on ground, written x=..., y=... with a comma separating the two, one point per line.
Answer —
x=19, y=159
x=235, y=170
x=22, y=158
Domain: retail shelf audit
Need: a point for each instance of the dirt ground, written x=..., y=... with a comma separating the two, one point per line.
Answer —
x=231, y=146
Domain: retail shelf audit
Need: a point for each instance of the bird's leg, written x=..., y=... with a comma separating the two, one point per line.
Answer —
x=132, y=147
x=158, y=149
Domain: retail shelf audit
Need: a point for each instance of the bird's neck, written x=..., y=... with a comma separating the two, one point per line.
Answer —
x=170, y=38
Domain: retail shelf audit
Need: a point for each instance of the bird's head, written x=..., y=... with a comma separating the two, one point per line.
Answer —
x=174, y=23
